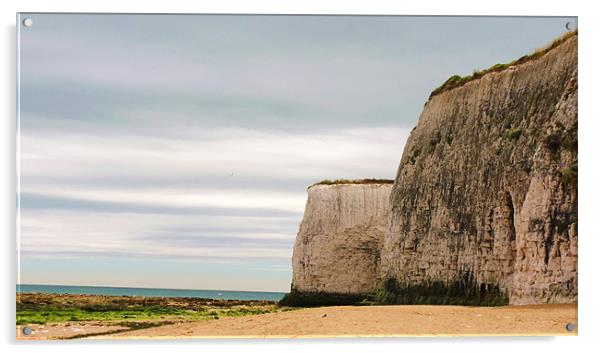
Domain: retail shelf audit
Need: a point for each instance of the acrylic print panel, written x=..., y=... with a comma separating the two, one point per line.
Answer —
x=296, y=176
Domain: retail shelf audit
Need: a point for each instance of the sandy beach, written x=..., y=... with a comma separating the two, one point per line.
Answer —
x=365, y=321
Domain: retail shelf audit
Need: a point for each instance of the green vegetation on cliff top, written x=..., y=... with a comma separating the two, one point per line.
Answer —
x=457, y=81
x=353, y=181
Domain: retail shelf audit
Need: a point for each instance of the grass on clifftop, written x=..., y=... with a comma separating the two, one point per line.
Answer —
x=457, y=81
x=353, y=181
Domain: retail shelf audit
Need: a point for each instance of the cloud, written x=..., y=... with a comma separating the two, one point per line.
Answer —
x=58, y=233
x=37, y=201
x=219, y=199
x=267, y=71
x=242, y=199
x=217, y=158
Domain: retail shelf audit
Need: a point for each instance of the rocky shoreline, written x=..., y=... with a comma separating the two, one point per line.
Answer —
x=79, y=315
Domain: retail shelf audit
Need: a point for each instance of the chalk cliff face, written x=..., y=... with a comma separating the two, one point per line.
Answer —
x=486, y=188
x=484, y=201
x=337, y=249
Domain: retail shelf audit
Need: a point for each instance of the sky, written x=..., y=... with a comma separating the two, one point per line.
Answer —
x=168, y=151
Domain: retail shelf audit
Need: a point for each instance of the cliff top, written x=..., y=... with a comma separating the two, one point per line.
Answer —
x=457, y=81
x=352, y=181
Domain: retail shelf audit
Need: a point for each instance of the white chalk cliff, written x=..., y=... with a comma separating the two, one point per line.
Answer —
x=486, y=189
x=338, y=246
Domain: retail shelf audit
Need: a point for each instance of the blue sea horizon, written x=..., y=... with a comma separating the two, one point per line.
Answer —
x=149, y=292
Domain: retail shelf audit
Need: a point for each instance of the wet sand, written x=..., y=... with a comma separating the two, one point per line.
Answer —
x=65, y=330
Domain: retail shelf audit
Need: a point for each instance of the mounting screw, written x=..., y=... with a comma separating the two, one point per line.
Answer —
x=570, y=326
x=27, y=330
x=28, y=22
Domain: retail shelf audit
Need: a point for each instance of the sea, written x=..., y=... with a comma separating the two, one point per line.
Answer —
x=150, y=292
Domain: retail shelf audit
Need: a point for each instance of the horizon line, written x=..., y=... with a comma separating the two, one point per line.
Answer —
x=183, y=289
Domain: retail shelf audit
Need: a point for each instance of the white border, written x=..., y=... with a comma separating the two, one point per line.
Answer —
x=590, y=121
x=18, y=150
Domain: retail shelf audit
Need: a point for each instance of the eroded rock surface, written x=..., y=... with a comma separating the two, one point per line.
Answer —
x=487, y=185
x=337, y=249
x=484, y=201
